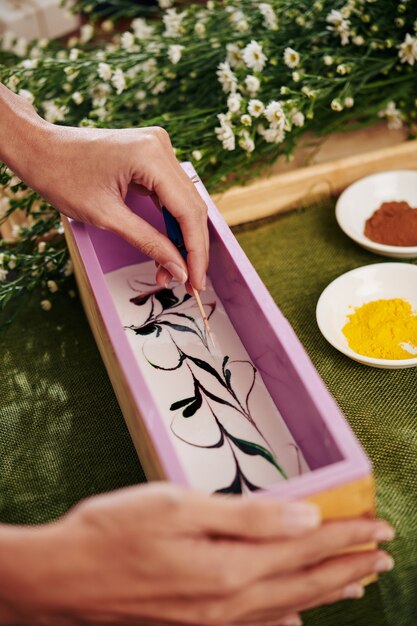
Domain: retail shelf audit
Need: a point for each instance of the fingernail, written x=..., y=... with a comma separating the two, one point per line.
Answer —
x=355, y=590
x=383, y=532
x=176, y=271
x=291, y=620
x=385, y=563
x=204, y=283
x=300, y=515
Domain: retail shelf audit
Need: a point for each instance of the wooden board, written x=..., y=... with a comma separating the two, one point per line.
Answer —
x=306, y=185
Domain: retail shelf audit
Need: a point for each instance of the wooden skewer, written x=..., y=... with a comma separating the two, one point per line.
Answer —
x=203, y=315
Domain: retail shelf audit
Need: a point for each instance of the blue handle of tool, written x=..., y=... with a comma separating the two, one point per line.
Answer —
x=174, y=232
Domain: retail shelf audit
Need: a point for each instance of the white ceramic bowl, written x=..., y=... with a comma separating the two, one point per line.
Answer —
x=370, y=282
x=359, y=201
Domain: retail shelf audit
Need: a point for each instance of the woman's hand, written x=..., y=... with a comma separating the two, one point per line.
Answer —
x=85, y=173
x=161, y=553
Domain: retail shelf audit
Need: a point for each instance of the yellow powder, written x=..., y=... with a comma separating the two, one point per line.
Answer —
x=377, y=329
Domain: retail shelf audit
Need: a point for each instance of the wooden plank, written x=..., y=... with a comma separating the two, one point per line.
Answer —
x=306, y=185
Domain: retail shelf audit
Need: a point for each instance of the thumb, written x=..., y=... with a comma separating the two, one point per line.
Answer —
x=148, y=240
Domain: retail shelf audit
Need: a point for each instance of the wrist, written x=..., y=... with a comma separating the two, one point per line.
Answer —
x=23, y=133
x=34, y=565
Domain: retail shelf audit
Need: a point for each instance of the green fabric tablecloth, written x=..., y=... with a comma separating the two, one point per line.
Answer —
x=63, y=438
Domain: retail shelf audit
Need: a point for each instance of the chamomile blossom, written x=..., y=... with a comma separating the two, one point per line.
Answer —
x=291, y=58
x=339, y=25
x=408, y=50
x=252, y=84
x=141, y=28
x=234, y=55
x=225, y=133
x=27, y=95
x=175, y=53
x=268, y=13
x=298, y=119
x=246, y=142
x=234, y=102
x=173, y=22
x=127, y=41
x=86, y=33
x=256, y=107
x=104, y=71
x=253, y=56
x=118, y=81
x=226, y=77
x=275, y=115
x=392, y=115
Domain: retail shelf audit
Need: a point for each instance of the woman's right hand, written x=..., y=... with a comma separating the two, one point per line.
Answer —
x=161, y=553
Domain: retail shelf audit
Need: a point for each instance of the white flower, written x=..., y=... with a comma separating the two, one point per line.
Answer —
x=77, y=97
x=225, y=133
x=338, y=24
x=104, y=71
x=140, y=94
x=239, y=20
x=267, y=12
x=246, y=120
x=118, y=81
x=408, y=50
x=1, y=259
x=392, y=115
x=165, y=4
x=296, y=76
x=310, y=93
x=291, y=57
x=12, y=263
x=274, y=113
x=141, y=28
x=348, y=102
x=233, y=102
x=252, y=84
x=29, y=64
x=27, y=95
x=74, y=54
x=246, y=142
x=159, y=88
x=52, y=286
x=196, y=154
x=272, y=135
x=298, y=119
x=253, y=56
x=200, y=29
x=175, y=53
x=127, y=41
x=336, y=105
x=256, y=108
x=46, y=305
x=234, y=54
x=54, y=112
x=86, y=33
x=41, y=247
x=327, y=59
x=12, y=82
x=3, y=275
x=226, y=77
x=172, y=22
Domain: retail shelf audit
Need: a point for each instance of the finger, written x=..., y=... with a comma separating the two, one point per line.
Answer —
x=140, y=234
x=302, y=589
x=271, y=619
x=353, y=591
x=329, y=540
x=163, y=277
x=177, y=193
x=250, y=518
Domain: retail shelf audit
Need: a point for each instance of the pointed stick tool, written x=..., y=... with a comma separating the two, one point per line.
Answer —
x=175, y=235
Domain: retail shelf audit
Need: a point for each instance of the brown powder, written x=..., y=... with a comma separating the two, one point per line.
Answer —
x=393, y=224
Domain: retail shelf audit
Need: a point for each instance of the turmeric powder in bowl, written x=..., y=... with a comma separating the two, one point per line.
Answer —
x=383, y=329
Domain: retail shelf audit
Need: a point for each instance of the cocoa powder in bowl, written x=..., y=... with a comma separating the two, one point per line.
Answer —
x=393, y=224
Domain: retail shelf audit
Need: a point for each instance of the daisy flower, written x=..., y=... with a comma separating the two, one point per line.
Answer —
x=291, y=58
x=253, y=56
x=256, y=107
x=274, y=113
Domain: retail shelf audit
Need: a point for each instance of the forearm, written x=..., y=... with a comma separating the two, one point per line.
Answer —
x=21, y=132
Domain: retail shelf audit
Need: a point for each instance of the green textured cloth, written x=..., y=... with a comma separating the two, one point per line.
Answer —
x=62, y=436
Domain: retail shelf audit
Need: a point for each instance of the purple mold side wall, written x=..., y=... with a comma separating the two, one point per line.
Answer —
x=306, y=405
